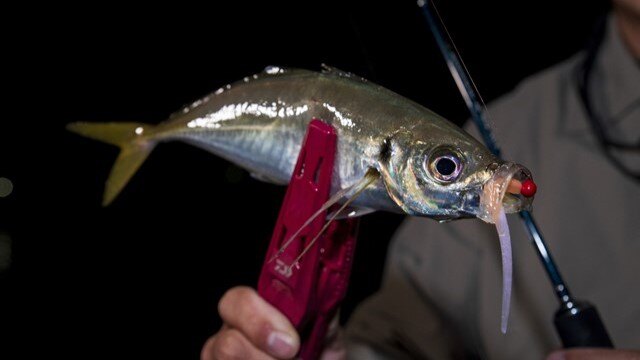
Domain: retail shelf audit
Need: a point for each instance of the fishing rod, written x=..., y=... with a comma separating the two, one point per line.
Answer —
x=577, y=322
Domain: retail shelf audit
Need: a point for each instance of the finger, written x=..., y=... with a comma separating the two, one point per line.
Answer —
x=593, y=354
x=262, y=324
x=231, y=344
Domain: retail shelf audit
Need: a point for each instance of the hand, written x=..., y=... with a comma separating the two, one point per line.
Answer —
x=589, y=354
x=253, y=329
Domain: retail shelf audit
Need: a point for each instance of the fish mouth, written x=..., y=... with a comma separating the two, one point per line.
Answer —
x=504, y=191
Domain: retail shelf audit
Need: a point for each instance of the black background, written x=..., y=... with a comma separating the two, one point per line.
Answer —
x=141, y=278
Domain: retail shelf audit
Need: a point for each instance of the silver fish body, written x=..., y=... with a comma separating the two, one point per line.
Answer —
x=259, y=124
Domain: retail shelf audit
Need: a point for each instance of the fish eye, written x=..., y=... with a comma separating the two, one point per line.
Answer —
x=444, y=165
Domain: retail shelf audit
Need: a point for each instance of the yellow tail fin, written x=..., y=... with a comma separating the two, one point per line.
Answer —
x=134, y=149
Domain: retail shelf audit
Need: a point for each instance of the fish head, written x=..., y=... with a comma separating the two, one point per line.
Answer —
x=448, y=175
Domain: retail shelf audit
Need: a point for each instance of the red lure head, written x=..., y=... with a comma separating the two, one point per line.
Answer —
x=529, y=188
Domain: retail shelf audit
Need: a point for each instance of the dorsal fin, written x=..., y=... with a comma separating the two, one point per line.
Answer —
x=326, y=69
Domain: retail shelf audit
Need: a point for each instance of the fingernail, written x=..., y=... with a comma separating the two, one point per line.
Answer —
x=281, y=344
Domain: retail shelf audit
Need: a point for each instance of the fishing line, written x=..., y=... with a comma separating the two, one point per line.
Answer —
x=369, y=178
x=464, y=66
x=473, y=100
x=332, y=200
x=478, y=110
x=461, y=76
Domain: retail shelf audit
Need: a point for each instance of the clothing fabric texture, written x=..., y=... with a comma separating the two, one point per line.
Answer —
x=441, y=293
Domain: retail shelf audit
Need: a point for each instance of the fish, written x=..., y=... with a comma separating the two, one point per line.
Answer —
x=422, y=164
x=392, y=154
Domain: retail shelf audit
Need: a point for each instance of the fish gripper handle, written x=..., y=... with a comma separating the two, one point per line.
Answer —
x=309, y=293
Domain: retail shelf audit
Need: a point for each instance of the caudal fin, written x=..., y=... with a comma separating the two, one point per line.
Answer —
x=134, y=149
